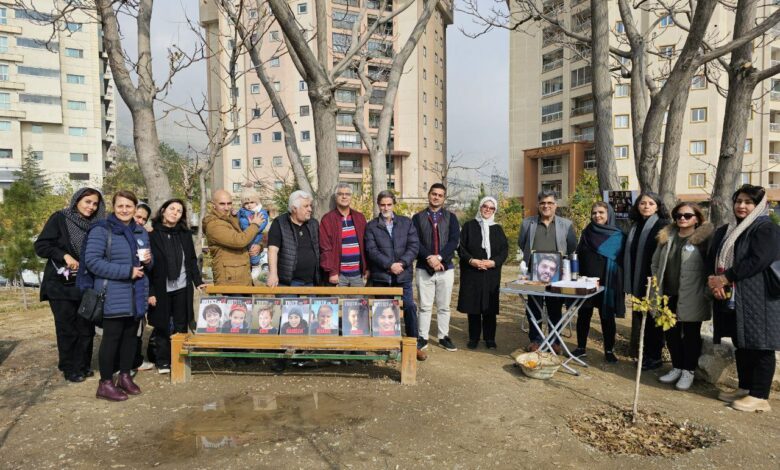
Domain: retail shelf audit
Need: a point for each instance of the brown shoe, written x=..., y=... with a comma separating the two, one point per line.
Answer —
x=108, y=391
x=421, y=355
x=125, y=382
x=557, y=348
x=749, y=403
x=534, y=346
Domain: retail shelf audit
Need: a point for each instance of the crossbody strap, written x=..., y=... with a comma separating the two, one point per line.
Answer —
x=108, y=253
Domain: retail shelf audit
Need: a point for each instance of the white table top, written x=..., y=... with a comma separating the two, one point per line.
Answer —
x=519, y=290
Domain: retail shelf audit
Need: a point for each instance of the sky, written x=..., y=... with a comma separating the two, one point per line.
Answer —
x=477, y=89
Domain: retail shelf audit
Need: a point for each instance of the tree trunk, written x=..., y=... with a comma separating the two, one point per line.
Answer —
x=671, y=152
x=324, y=113
x=147, y=149
x=606, y=169
x=742, y=82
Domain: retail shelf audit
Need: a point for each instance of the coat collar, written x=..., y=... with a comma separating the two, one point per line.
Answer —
x=699, y=236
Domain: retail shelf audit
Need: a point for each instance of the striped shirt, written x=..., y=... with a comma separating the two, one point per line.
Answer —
x=350, y=249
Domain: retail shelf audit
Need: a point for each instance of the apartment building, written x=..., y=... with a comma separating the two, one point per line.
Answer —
x=56, y=95
x=551, y=108
x=418, y=140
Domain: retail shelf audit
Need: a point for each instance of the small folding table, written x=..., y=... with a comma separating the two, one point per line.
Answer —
x=554, y=330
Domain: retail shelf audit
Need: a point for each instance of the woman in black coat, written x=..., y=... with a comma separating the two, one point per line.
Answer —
x=173, y=279
x=483, y=250
x=60, y=242
x=649, y=216
x=739, y=261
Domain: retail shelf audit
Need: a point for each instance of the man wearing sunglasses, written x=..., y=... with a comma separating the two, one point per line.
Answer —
x=545, y=232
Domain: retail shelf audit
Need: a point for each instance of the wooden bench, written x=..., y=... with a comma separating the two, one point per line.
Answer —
x=184, y=346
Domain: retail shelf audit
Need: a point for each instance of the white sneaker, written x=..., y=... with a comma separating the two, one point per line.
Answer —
x=686, y=380
x=256, y=271
x=164, y=370
x=146, y=365
x=670, y=376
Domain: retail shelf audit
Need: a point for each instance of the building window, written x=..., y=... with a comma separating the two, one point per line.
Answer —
x=277, y=161
x=306, y=160
x=254, y=88
x=235, y=163
x=278, y=86
x=253, y=13
x=621, y=121
x=3, y=44
x=256, y=138
x=75, y=79
x=425, y=51
x=303, y=8
x=748, y=146
x=3, y=16
x=698, y=114
x=345, y=95
x=348, y=140
x=666, y=51
x=37, y=155
x=667, y=21
x=274, y=62
x=257, y=162
x=552, y=86
x=6, y=153
x=744, y=178
x=303, y=111
x=74, y=53
x=5, y=126
x=698, y=147
x=620, y=28
x=78, y=176
x=553, y=137
x=5, y=101
x=236, y=187
x=274, y=36
x=256, y=113
x=73, y=27
x=278, y=184
x=79, y=157
x=276, y=136
x=554, y=186
x=77, y=131
x=623, y=181
x=425, y=97
x=620, y=152
x=4, y=74
x=551, y=166
x=696, y=180
x=552, y=112
x=622, y=90
x=305, y=136
x=345, y=119
x=698, y=82
x=302, y=85
x=36, y=129
x=77, y=105
x=425, y=142
x=581, y=76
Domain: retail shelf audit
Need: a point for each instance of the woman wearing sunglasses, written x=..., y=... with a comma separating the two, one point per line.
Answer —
x=483, y=250
x=678, y=264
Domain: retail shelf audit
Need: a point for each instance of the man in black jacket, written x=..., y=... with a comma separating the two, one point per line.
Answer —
x=439, y=234
x=294, y=245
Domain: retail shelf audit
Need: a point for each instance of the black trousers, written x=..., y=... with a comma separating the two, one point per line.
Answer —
x=177, y=315
x=484, y=325
x=608, y=327
x=755, y=369
x=684, y=343
x=74, y=337
x=554, y=306
x=119, y=338
x=654, y=337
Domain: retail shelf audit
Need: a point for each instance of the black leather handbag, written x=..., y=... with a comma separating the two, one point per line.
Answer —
x=773, y=279
x=91, y=306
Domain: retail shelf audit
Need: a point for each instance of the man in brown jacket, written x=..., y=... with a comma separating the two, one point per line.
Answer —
x=227, y=243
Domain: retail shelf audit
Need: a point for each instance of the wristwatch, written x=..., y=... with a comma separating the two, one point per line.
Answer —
x=439, y=256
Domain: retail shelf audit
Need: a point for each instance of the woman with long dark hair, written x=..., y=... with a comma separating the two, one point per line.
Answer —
x=173, y=279
x=649, y=216
x=739, y=261
x=116, y=255
x=61, y=242
x=600, y=253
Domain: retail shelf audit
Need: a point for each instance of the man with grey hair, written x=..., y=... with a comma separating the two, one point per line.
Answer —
x=545, y=232
x=342, y=248
x=293, y=245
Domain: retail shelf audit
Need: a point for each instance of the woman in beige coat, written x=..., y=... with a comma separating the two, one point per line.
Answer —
x=678, y=264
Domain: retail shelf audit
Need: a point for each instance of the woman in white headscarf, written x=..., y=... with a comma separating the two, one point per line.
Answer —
x=483, y=250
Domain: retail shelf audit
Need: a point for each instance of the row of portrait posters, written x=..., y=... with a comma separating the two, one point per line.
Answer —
x=317, y=316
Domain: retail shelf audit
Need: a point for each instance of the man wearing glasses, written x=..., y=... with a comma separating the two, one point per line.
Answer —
x=545, y=232
x=342, y=249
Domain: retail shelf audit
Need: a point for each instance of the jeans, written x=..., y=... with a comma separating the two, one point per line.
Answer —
x=435, y=288
x=410, y=309
x=554, y=306
x=119, y=338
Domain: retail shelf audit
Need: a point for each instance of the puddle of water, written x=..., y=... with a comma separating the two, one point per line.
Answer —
x=258, y=420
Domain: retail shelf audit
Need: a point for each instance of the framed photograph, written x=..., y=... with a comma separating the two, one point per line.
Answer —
x=239, y=315
x=355, y=318
x=546, y=266
x=211, y=314
x=386, y=315
x=324, y=319
x=295, y=313
x=266, y=316
x=621, y=202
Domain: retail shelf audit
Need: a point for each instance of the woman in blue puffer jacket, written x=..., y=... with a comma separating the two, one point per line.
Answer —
x=116, y=254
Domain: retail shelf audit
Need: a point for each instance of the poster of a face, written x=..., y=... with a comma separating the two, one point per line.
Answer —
x=267, y=314
x=294, y=315
x=386, y=316
x=210, y=315
x=239, y=315
x=324, y=316
x=354, y=317
x=621, y=202
x=546, y=267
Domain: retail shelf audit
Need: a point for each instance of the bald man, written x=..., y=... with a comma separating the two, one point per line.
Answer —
x=227, y=243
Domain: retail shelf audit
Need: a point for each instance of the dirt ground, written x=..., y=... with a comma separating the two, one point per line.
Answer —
x=469, y=410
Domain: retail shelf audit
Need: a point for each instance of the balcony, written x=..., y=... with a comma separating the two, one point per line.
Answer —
x=549, y=142
x=584, y=137
x=774, y=95
x=774, y=158
x=551, y=170
x=585, y=108
x=552, y=65
x=590, y=164
x=552, y=117
x=774, y=126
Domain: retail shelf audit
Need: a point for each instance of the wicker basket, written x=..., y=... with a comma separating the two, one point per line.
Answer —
x=538, y=365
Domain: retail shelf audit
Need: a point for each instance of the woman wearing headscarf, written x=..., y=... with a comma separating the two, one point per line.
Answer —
x=649, y=216
x=173, y=279
x=60, y=242
x=483, y=250
x=739, y=261
x=600, y=253
x=115, y=256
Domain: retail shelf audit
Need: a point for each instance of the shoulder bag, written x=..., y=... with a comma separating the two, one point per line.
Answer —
x=91, y=306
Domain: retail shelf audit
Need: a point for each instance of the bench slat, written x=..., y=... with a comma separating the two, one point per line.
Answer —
x=325, y=291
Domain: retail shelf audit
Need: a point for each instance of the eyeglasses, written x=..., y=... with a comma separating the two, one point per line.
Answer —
x=343, y=194
x=686, y=216
x=486, y=207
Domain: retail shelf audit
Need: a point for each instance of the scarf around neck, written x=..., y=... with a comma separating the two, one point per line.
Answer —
x=76, y=224
x=485, y=224
x=631, y=277
x=607, y=240
x=726, y=254
x=173, y=249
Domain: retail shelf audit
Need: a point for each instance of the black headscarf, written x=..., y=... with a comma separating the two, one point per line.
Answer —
x=172, y=248
x=76, y=224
